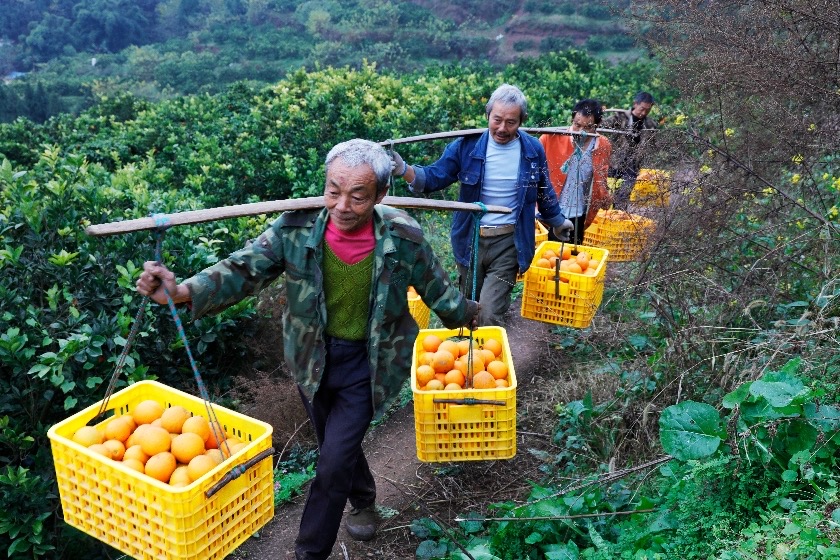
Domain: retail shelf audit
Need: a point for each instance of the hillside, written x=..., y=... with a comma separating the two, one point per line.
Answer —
x=60, y=56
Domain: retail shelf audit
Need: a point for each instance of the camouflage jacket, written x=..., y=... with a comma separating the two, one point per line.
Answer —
x=629, y=151
x=294, y=245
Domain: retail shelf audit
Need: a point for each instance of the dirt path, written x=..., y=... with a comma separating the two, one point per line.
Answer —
x=409, y=489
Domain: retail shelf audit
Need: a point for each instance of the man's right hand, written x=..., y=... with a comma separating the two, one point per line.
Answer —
x=156, y=280
x=473, y=307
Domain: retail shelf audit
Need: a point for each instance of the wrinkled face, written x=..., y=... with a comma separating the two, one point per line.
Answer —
x=504, y=121
x=350, y=195
x=641, y=110
x=583, y=123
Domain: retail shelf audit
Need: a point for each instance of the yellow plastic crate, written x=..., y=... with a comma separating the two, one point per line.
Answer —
x=623, y=234
x=150, y=520
x=572, y=303
x=419, y=310
x=653, y=188
x=470, y=424
x=541, y=233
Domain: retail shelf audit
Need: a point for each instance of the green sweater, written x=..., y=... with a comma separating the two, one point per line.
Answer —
x=347, y=292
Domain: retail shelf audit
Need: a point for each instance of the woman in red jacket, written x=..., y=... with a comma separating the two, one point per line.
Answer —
x=578, y=166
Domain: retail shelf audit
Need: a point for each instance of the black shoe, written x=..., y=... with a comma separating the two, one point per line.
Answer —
x=361, y=524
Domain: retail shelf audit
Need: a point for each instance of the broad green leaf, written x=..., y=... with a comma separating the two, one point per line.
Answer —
x=690, y=430
x=779, y=393
x=738, y=396
x=430, y=549
x=825, y=417
x=568, y=551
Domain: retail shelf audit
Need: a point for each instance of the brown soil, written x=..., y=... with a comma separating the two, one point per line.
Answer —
x=409, y=489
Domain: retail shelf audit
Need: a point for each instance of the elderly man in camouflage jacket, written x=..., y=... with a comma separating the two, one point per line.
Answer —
x=348, y=332
x=629, y=150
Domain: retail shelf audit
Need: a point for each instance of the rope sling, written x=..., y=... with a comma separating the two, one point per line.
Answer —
x=215, y=426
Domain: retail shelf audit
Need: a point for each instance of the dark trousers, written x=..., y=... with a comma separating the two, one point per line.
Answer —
x=341, y=413
x=496, y=270
x=628, y=180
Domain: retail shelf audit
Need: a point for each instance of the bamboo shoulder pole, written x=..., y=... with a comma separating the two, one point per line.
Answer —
x=270, y=207
x=470, y=131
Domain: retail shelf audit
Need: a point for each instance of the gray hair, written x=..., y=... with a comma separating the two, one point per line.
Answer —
x=358, y=152
x=507, y=94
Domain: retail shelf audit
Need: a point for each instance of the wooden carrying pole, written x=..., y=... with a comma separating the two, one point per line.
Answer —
x=469, y=131
x=270, y=207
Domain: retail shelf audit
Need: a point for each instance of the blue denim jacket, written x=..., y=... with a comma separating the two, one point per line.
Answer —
x=463, y=161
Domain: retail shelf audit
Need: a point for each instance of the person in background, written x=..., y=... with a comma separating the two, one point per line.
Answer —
x=629, y=149
x=348, y=333
x=578, y=165
x=501, y=166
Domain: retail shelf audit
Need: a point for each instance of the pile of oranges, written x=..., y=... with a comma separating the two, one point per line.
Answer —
x=170, y=445
x=581, y=263
x=448, y=365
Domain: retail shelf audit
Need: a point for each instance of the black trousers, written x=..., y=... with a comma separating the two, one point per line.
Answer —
x=341, y=413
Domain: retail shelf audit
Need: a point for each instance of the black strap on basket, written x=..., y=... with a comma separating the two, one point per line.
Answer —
x=238, y=471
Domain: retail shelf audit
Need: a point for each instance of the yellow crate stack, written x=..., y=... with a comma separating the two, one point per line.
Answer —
x=653, y=188
x=150, y=520
x=570, y=301
x=623, y=234
x=541, y=233
x=468, y=424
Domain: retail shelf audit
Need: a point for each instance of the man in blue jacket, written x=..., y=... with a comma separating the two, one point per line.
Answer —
x=503, y=166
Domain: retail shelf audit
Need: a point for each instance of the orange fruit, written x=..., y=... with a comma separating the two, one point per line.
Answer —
x=474, y=360
x=440, y=376
x=450, y=346
x=452, y=387
x=502, y=383
x=487, y=355
x=583, y=257
x=594, y=263
x=567, y=252
x=443, y=361
x=493, y=345
x=100, y=449
x=136, y=435
x=216, y=455
x=198, y=425
x=483, y=380
x=147, y=412
x=434, y=385
x=552, y=262
x=134, y=465
x=180, y=475
x=116, y=448
x=424, y=374
x=186, y=446
x=154, y=440
x=548, y=254
x=431, y=342
x=119, y=428
x=543, y=263
x=238, y=447
x=465, y=346
x=498, y=369
x=87, y=436
x=454, y=376
x=574, y=267
x=199, y=466
x=217, y=434
x=136, y=453
x=161, y=466
x=425, y=358
x=173, y=418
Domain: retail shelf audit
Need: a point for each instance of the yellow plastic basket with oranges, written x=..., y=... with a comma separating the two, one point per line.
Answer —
x=418, y=309
x=568, y=294
x=464, y=395
x=652, y=188
x=623, y=234
x=147, y=518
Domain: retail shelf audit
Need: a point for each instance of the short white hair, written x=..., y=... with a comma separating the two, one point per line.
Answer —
x=358, y=152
